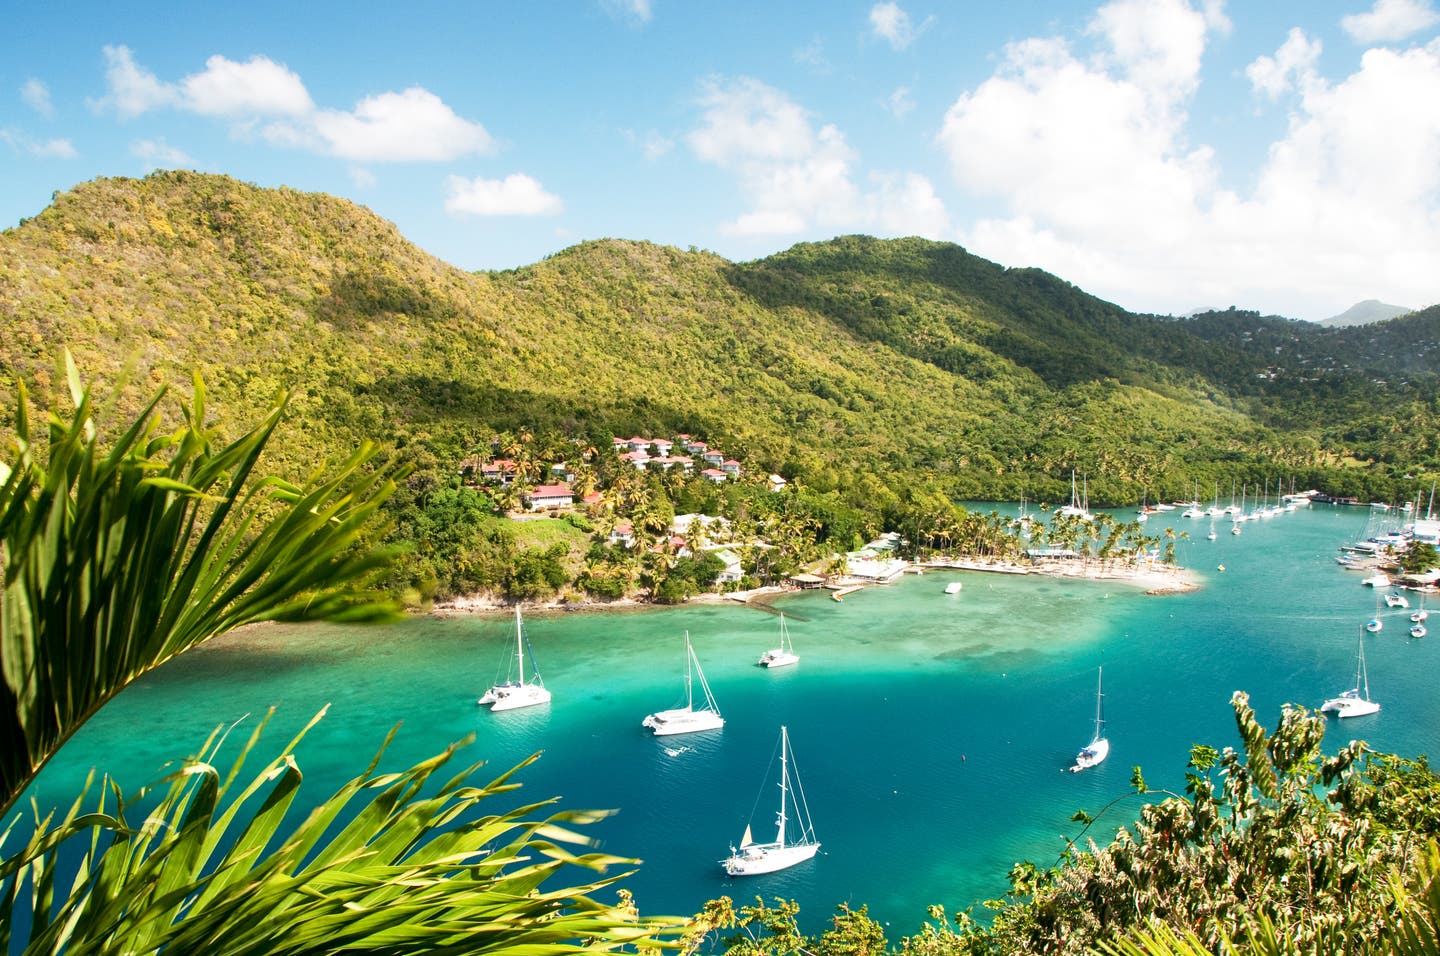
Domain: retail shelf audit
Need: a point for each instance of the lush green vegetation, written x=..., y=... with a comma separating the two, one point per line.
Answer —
x=878, y=376
x=116, y=556
x=1272, y=848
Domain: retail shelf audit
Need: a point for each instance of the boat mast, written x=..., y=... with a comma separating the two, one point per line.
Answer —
x=1362, y=679
x=689, y=666
x=519, y=645
x=1099, y=701
x=784, y=776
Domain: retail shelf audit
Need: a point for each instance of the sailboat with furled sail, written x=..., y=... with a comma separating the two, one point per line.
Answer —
x=788, y=848
x=513, y=694
x=1098, y=748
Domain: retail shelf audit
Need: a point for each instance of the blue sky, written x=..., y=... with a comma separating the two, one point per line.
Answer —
x=1163, y=154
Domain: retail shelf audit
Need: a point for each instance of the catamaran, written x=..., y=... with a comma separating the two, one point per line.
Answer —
x=1355, y=702
x=1098, y=748
x=782, y=655
x=786, y=850
x=684, y=720
x=517, y=693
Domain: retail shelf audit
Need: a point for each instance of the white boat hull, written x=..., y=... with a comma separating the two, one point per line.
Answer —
x=779, y=657
x=760, y=858
x=1350, y=705
x=514, y=696
x=1092, y=755
x=682, y=720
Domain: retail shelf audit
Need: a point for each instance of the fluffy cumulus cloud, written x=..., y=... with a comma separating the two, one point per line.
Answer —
x=1088, y=154
x=1390, y=21
x=796, y=175
x=1292, y=66
x=515, y=195
x=893, y=25
x=411, y=125
x=257, y=87
x=36, y=95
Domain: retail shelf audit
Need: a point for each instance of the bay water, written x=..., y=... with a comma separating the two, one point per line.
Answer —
x=931, y=731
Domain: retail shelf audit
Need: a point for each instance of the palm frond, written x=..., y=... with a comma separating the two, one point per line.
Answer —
x=116, y=559
x=390, y=863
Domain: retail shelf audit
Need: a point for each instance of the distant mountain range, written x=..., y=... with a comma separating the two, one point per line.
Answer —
x=1363, y=313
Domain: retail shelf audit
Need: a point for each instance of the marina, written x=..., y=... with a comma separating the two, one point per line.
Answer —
x=912, y=709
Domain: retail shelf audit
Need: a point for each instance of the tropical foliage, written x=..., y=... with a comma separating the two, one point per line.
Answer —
x=118, y=556
x=1273, y=847
x=873, y=372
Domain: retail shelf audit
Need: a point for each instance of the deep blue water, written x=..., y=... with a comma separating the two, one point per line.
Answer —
x=930, y=731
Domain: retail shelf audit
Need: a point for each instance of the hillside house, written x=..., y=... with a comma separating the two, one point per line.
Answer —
x=731, y=467
x=777, y=483
x=545, y=497
x=622, y=534
x=714, y=474
x=637, y=458
x=500, y=471
x=714, y=457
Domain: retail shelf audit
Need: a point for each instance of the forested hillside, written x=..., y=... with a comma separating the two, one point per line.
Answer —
x=860, y=367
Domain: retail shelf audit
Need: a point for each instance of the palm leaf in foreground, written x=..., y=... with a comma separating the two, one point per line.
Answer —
x=115, y=560
x=391, y=863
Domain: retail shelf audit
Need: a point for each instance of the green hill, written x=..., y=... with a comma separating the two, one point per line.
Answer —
x=838, y=362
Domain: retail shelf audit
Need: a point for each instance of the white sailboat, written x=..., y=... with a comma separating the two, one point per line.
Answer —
x=1079, y=506
x=786, y=850
x=513, y=694
x=1098, y=748
x=687, y=719
x=784, y=654
x=1419, y=616
x=1355, y=702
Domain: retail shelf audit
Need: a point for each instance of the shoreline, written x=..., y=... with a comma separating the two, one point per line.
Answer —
x=1154, y=580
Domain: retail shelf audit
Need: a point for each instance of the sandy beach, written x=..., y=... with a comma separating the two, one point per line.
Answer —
x=1153, y=579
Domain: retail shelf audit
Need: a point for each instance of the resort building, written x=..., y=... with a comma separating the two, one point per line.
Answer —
x=543, y=497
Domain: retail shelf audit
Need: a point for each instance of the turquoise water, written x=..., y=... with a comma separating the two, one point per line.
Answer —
x=930, y=731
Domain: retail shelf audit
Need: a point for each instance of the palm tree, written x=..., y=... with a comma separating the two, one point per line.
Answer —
x=115, y=560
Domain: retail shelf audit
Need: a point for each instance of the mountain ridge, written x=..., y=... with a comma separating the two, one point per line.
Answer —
x=829, y=360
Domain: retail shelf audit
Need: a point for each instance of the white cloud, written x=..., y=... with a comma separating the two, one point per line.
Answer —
x=132, y=88
x=797, y=176
x=1089, y=157
x=892, y=24
x=156, y=153
x=36, y=95
x=48, y=149
x=515, y=195
x=55, y=149
x=900, y=102
x=1390, y=20
x=362, y=178
x=258, y=87
x=413, y=125
x=1215, y=18
x=638, y=11
x=812, y=55
x=1292, y=66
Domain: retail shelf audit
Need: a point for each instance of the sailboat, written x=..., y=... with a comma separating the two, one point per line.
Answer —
x=1375, y=624
x=1355, y=702
x=782, y=655
x=1079, y=506
x=1098, y=748
x=753, y=858
x=513, y=694
x=684, y=720
x=1419, y=616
